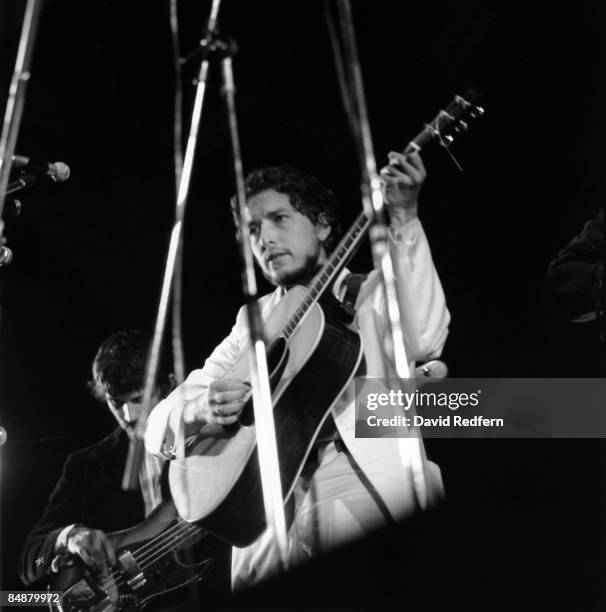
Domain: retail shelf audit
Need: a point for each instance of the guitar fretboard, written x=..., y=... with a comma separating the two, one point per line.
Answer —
x=450, y=117
x=328, y=272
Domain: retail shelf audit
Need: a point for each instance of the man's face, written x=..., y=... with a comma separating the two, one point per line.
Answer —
x=127, y=408
x=287, y=245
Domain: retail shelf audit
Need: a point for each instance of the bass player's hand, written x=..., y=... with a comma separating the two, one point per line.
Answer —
x=93, y=546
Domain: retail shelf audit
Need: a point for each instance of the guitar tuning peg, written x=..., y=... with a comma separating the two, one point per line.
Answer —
x=448, y=138
x=463, y=125
x=478, y=111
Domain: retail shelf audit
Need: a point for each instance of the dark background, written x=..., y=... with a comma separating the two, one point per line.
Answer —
x=89, y=252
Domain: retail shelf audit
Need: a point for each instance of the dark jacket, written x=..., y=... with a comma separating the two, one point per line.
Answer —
x=89, y=492
x=575, y=274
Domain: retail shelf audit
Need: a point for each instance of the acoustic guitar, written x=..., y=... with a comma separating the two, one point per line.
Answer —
x=312, y=358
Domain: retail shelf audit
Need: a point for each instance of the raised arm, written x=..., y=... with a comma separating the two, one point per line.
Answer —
x=425, y=317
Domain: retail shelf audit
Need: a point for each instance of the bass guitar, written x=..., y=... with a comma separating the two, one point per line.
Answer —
x=145, y=572
x=311, y=358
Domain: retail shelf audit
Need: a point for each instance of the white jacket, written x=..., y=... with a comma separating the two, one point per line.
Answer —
x=425, y=321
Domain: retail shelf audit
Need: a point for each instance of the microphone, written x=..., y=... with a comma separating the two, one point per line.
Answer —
x=58, y=171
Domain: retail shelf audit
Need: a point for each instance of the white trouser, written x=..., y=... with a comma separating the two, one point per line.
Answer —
x=334, y=504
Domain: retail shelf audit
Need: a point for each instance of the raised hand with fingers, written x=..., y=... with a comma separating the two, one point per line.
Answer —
x=402, y=180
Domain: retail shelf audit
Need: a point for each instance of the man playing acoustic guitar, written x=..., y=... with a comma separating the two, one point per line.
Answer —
x=348, y=486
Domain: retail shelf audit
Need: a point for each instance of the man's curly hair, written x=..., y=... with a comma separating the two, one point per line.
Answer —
x=119, y=366
x=306, y=194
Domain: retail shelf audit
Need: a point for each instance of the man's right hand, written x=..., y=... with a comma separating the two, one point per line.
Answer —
x=93, y=546
x=221, y=405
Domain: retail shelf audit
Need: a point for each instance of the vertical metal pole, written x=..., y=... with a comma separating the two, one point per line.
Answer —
x=135, y=454
x=262, y=402
x=16, y=96
x=10, y=129
x=374, y=206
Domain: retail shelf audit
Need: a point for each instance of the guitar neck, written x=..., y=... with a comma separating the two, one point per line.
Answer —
x=449, y=118
x=344, y=251
x=331, y=268
x=173, y=538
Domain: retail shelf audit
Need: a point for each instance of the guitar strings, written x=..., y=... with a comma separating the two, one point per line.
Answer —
x=354, y=234
x=115, y=576
x=166, y=543
x=149, y=546
x=172, y=538
x=152, y=545
x=169, y=540
x=117, y=581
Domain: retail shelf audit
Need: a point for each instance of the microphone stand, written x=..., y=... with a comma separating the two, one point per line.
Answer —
x=3, y=437
x=136, y=450
x=14, y=106
x=601, y=308
x=10, y=129
x=374, y=206
x=262, y=402
x=265, y=428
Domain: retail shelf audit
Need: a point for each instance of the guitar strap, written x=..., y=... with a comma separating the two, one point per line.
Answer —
x=352, y=284
x=344, y=311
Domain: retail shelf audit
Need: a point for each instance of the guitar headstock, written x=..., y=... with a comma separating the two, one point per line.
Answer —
x=449, y=122
x=455, y=118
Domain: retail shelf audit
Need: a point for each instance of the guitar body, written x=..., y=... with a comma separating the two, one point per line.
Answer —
x=218, y=484
x=128, y=588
